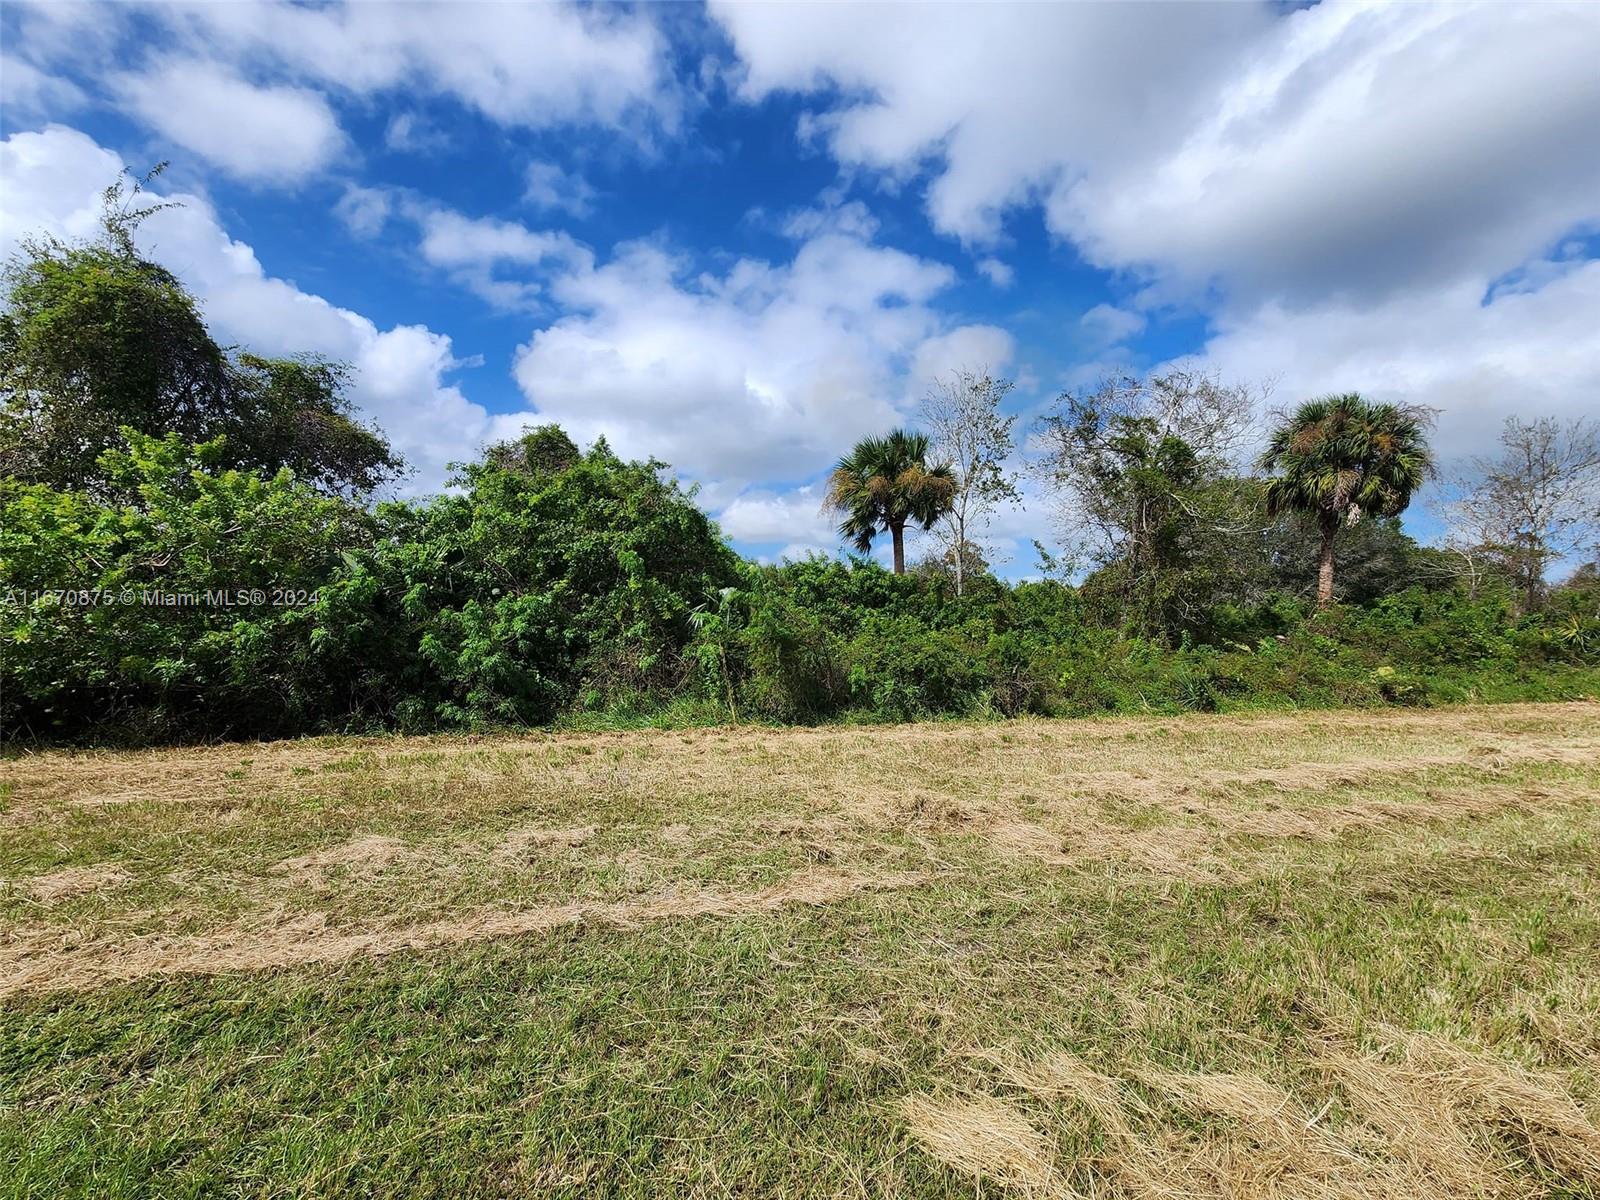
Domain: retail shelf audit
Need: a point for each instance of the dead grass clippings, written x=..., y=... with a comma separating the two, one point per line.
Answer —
x=365, y=855
x=530, y=842
x=44, y=960
x=69, y=882
x=985, y=1137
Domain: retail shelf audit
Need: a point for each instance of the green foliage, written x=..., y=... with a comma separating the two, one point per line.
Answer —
x=1340, y=458
x=554, y=586
x=189, y=608
x=539, y=588
x=886, y=483
x=94, y=337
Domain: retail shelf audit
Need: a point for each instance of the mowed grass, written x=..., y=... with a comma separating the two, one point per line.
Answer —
x=1320, y=955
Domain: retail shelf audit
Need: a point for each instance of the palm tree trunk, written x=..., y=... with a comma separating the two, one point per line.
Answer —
x=1325, y=563
x=898, y=532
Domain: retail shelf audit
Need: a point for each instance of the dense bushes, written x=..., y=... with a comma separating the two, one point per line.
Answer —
x=222, y=602
x=188, y=599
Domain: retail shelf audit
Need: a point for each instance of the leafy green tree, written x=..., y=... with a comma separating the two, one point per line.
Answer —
x=539, y=587
x=1339, y=458
x=540, y=451
x=193, y=608
x=94, y=337
x=1152, y=508
x=886, y=483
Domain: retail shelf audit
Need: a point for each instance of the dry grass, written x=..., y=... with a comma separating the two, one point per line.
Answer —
x=1196, y=957
x=397, y=826
x=69, y=882
x=985, y=1137
x=44, y=960
x=1444, y=1122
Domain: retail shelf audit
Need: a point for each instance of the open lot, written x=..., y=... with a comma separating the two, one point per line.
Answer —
x=1332, y=955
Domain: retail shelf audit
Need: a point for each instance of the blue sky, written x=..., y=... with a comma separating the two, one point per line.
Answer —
x=738, y=237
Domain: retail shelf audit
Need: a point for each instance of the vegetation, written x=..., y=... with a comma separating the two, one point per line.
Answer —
x=189, y=550
x=968, y=431
x=1339, y=955
x=1348, y=955
x=886, y=483
x=1341, y=458
x=95, y=338
x=1536, y=502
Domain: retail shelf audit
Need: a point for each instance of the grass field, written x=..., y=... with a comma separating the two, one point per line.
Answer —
x=1316, y=955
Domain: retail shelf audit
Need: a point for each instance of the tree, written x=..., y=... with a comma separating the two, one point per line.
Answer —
x=94, y=338
x=1148, y=492
x=1339, y=458
x=884, y=484
x=209, y=594
x=1534, y=504
x=962, y=413
x=541, y=450
x=1376, y=558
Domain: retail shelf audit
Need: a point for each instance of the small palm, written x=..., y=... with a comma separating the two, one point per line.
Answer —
x=886, y=483
x=1339, y=458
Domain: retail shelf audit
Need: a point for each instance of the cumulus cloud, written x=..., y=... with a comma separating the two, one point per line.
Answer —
x=1523, y=352
x=262, y=134
x=1342, y=147
x=364, y=211
x=1106, y=324
x=400, y=375
x=1356, y=195
x=762, y=373
x=409, y=133
x=530, y=65
x=793, y=520
x=999, y=273
x=1004, y=98
x=474, y=249
x=502, y=262
x=551, y=188
x=969, y=347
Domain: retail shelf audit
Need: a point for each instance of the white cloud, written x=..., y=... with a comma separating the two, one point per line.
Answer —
x=1367, y=149
x=474, y=249
x=531, y=65
x=550, y=188
x=1342, y=147
x=970, y=347
x=1004, y=97
x=833, y=215
x=26, y=91
x=364, y=211
x=409, y=133
x=1335, y=189
x=53, y=183
x=765, y=372
x=1525, y=352
x=1001, y=274
x=270, y=135
x=766, y=517
x=1106, y=324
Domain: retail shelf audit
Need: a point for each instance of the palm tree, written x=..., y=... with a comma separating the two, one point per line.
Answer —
x=884, y=483
x=1339, y=458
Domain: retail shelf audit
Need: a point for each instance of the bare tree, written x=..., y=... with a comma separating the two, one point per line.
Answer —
x=1533, y=504
x=962, y=415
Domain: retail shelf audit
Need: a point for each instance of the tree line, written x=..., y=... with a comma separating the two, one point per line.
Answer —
x=1146, y=472
x=140, y=457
